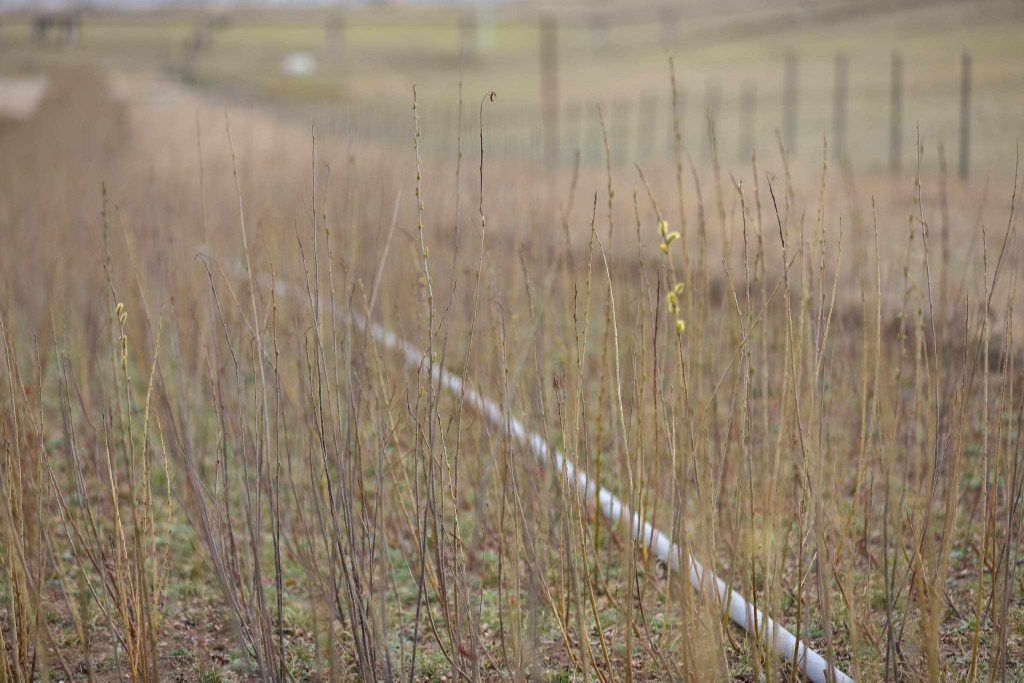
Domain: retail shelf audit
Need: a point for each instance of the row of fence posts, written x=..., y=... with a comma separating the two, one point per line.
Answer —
x=551, y=103
x=639, y=127
x=556, y=129
x=477, y=32
x=473, y=35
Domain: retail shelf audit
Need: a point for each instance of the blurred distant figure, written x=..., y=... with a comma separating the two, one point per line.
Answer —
x=335, y=32
x=64, y=27
x=203, y=30
x=200, y=39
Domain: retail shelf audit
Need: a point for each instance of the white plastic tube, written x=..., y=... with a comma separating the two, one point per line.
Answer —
x=750, y=619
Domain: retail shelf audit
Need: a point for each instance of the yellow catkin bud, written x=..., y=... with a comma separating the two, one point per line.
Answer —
x=678, y=289
x=680, y=326
x=663, y=247
x=671, y=237
x=663, y=227
x=673, y=302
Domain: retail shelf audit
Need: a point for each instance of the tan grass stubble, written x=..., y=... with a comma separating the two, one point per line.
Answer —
x=80, y=449
x=808, y=437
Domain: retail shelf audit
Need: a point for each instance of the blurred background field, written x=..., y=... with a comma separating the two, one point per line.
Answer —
x=731, y=62
x=809, y=374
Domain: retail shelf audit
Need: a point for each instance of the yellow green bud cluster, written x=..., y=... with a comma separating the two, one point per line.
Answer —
x=672, y=299
x=122, y=317
x=667, y=237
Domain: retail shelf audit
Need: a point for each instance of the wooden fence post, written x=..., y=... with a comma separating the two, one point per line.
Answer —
x=896, y=113
x=965, y=114
x=790, y=94
x=594, y=143
x=839, y=105
x=549, y=86
x=677, y=115
x=712, y=106
x=748, y=121
x=619, y=132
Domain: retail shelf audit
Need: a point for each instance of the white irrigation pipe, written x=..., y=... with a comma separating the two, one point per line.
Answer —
x=742, y=613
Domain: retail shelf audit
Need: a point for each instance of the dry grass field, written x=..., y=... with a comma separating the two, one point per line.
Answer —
x=807, y=371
